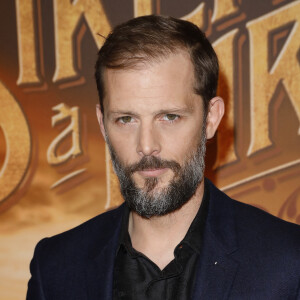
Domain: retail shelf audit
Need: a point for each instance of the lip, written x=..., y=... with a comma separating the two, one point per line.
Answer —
x=152, y=172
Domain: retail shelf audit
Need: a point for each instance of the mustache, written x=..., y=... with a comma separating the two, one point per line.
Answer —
x=152, y=162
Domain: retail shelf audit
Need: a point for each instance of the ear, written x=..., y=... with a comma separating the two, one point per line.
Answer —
x=215, y=113
x=100, y=118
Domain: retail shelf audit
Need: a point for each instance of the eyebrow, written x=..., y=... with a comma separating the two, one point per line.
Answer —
x=175, y=110
x=121, y=112
x=188, y=109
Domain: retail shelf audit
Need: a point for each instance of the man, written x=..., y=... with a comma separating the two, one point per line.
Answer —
x=177, y=236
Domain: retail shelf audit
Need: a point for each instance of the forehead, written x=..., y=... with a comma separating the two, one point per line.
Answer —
x=168, y=81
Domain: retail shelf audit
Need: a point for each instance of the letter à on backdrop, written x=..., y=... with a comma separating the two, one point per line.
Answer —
x=64, y=112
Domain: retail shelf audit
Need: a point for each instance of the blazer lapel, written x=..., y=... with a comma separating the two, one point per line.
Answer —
x=216, y=272
x=216, y=267
x=101, y=266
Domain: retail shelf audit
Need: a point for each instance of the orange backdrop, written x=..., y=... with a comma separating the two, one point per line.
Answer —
x=54, y=172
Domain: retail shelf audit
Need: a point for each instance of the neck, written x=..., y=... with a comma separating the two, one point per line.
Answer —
x=158, y=236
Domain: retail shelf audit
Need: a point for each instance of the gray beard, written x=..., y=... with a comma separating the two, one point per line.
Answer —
x=146, y=201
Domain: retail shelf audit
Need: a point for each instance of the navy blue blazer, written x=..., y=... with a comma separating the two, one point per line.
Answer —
x=247, y=254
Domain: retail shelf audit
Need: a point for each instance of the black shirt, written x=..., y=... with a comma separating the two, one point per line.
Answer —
x=137, y=277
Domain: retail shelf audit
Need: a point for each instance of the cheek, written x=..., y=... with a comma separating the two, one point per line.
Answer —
x=124, y=145
x=182, y=143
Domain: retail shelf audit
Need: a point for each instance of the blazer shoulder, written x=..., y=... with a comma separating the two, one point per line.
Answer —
x=267, y=232
x=91, y=234
x=260, y=219
x=255, y=225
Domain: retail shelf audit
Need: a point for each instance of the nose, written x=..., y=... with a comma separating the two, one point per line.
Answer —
x=148, y=141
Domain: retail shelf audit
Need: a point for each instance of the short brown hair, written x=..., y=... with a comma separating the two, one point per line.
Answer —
x=150, y=38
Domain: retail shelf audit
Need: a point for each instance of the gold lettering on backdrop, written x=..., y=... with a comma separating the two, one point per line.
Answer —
x=196, y=16
x=224, y=49
x=26, y=43
x=64, y=113
x=223, y=8
x=18, y=145
x=285, y=69
x=66, y=17
x=142, y=7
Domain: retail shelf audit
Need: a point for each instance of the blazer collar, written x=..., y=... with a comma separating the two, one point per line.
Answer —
x=221, y=219
x=216, y=267
x=101, y=263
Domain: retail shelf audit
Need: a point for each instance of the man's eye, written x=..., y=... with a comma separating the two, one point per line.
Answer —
x=170, y=117
x=125, y=119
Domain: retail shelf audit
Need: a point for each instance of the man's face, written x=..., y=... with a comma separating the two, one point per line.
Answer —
x=153, y=123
